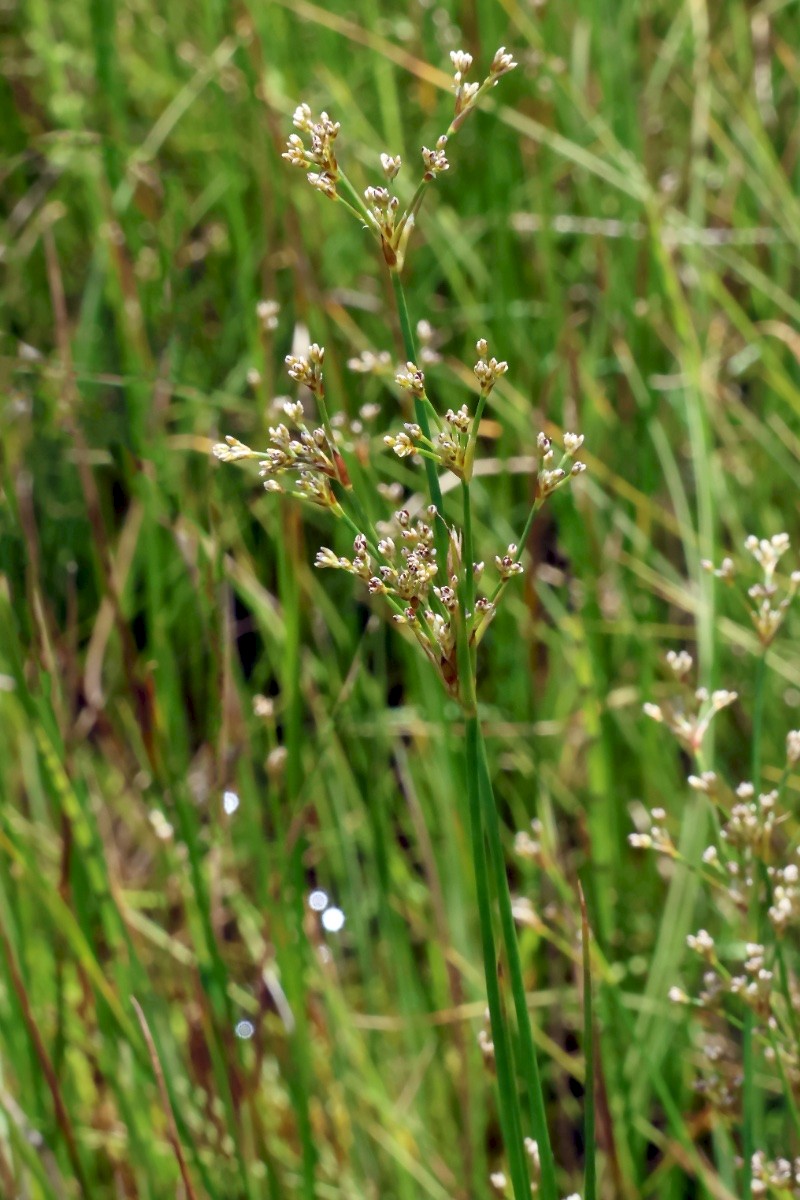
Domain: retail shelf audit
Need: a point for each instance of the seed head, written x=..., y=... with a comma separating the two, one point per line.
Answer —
x=679, y=662
x=726, y=570
x=307, y=369
x=507, y=565
x=502, y=63
x=412, y=380
x=487, y=370
x=322, y=134
x=391, y=165
x=401, y=443
x=460, y=420
x=302, y=118
x=231, y=450
x=328, y=558
x=462, y=61
x=435, y=160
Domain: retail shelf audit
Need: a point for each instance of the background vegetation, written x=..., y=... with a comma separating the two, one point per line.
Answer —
x=623, y=225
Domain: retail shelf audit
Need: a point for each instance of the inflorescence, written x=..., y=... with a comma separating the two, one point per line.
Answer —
x=766, y=607
x=752, y=868
x=398, y=561
x=312, y=149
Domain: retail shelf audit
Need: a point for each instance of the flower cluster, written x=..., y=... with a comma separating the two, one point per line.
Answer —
x=323, y=133
x=487, y=370
x=468, y=94
x=766, y=608
x=370, y=362
x=309, y=456
x=453, y=446
x=307, y=369
x=752, y=869
x=751, y=822
x=550, y=477
x=785, y=907
x=435, y=161
x=749, y=844
x=655, y=836
x=778, y=1177
x=402, y=567
x=720, y=1079
x=384, y=210
x=688, y=717
x=379, y=209
x=749, y=984
x=753, y=984
x=435, y=601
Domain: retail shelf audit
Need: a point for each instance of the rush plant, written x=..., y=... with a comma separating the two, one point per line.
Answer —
x=421, y=567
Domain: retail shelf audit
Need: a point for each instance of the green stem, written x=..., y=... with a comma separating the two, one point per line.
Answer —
x=290, y=941
x=748, y=1103
x=758, y=719
x=420, y=412
x=469, y=555
x=507, y=1096
x=749, y=1094
x=787, y=1087
x=472, y=441
x=356, y=204
x=590, y=1169
x=529, y=1062
x=500, y=587
x=414, y=206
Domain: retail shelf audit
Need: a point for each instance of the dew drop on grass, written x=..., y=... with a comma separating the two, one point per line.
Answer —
x=230, y=802
x=318, y=900
x=244, y=1030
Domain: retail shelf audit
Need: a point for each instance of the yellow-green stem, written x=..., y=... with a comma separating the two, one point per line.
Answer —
x=488, y=810
x=420, y=413
x=749, y=1094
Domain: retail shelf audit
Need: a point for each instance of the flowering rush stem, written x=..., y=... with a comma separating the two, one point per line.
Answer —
x=420, y=412
x=750, y=1100
x=425, y=570
x=528, y=1059
x=590, y=1168
x=477, y=762
x=507, y=1093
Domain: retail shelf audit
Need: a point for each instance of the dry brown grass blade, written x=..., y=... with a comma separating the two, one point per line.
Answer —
x=172, y=1129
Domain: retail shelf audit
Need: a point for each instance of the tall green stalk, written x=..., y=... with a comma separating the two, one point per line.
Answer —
x=749, y=1093
x=420, y=414
x=528, y=1058
x=590, y=1168
x=488, y=808
x=507, y=1093
x=486, y=829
